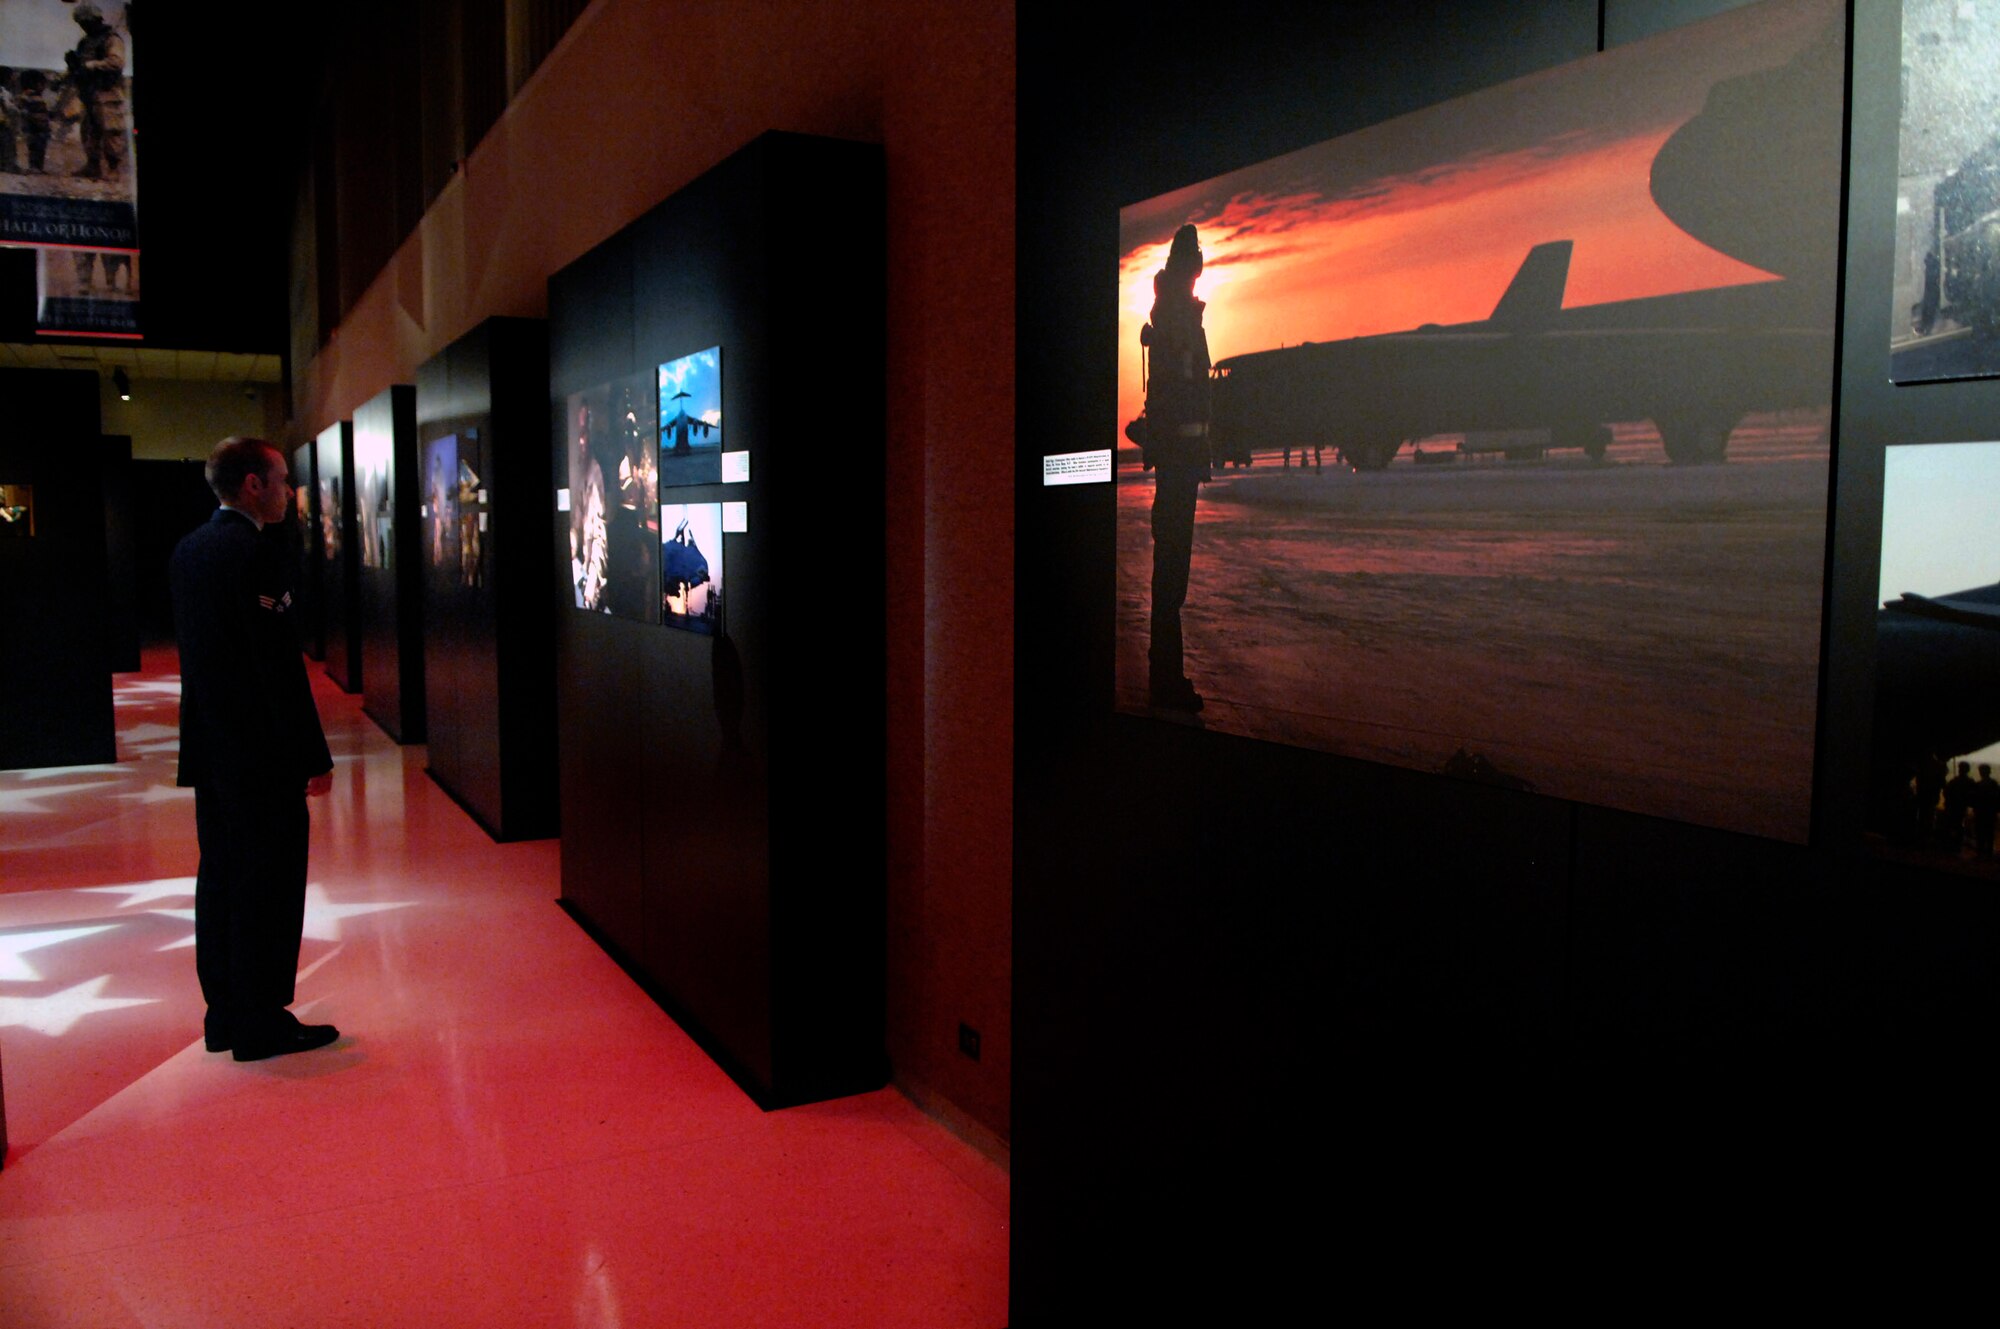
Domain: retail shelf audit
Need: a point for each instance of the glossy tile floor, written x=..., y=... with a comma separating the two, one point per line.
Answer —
x=509, y=1133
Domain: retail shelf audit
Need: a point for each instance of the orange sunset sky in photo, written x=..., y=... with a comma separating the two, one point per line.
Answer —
x=1426, y=218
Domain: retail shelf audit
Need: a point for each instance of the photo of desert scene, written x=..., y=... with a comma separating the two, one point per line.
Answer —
x=65, y=106
x=1494, y=439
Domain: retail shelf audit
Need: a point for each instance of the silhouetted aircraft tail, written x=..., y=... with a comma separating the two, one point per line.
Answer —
x=1535, y=295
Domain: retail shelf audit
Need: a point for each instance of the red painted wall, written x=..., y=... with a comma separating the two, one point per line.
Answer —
x=640, y=98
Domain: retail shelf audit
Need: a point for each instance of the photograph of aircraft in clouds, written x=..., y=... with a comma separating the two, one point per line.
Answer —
x=1602, y=296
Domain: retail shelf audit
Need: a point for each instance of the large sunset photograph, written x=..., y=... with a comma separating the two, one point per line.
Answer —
x=1494, y=439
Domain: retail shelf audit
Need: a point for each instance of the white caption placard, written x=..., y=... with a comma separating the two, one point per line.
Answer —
x=562, y=500
x=736, y=468
x=1077, y=468
x=735, y=518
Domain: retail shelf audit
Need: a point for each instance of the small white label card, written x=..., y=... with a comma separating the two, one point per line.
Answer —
x=562, y=500
x=736, y=468
x=1077, y=468
x=736, y=516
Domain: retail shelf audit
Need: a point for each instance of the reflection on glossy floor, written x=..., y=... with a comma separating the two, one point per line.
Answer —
x=508, y=1133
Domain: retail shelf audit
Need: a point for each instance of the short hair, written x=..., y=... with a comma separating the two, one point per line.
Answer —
x=234, y=460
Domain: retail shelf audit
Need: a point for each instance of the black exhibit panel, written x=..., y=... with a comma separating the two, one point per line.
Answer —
x=1247, y=971
x=55, y=651
x=122, y=551
x=307, y=548
x=488, y=586
x=174, y=499
x=389, y=564
x=340, y=556
x=722, y=745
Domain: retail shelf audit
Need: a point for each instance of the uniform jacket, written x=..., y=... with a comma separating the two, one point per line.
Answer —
x=247, y=710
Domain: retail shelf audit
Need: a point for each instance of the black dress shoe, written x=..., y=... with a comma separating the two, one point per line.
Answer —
x=276, y=1043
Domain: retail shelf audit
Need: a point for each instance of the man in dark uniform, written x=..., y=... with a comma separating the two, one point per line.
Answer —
x=1175, y=442
x=252, y=748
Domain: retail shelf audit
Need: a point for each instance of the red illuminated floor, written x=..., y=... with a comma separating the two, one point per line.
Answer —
x=508, y=1133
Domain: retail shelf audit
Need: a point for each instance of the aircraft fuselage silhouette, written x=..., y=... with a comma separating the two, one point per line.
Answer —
x=1755, y=174
x=1694, y=364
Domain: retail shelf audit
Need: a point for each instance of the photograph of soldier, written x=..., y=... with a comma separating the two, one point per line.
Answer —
x=589, y=551
x=471, y=527
x=118, y=272
x=1563, y=352
x=1944, y=312
x=1173, y=441
x=374, y=515
x=329, y=508
x=633, y=518
x=1937, y=657
x=691, y=419
x=441, y=502
x=97, y=74
x=87, y=290
x=90, y=275
x=614, y=499
x=10, y=122
x=691, y=566
x=31, y=105
x=65, y=124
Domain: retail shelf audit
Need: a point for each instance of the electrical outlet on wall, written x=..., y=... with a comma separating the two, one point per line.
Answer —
x=968, y=1040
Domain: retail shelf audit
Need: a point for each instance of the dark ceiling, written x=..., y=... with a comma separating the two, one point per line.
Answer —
x=223, y=99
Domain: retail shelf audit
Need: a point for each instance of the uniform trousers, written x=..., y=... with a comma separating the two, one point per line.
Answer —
x=249, y=898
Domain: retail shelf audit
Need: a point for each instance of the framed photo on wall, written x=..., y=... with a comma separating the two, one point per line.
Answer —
x=614, y=511
x=691, y=419
x=1494, y=439
x=1944, y=315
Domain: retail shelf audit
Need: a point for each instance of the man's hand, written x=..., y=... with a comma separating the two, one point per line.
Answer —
x=319, y=784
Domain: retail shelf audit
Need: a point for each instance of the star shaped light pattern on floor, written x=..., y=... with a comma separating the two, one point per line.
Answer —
x=58, y=1012
x=35, y=773
x=145, y=892
x=158, y=793
x=27, y=800
x=323, y=916
x=14, y=969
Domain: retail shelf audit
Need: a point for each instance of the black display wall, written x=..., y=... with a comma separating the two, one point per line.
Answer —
x=308, y=550
x=1250, y=977
x=488, y=620
x=340, y=556
x=55, y=650
x=177, y=500
x=722, y=795
x=389, y=561
x=121, y=551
